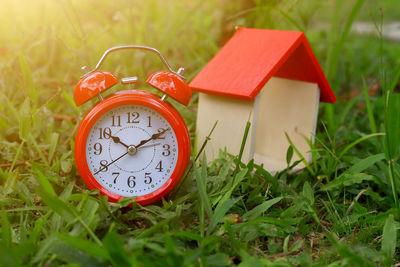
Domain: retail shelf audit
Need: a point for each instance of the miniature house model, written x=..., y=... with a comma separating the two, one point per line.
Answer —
x=270, y=77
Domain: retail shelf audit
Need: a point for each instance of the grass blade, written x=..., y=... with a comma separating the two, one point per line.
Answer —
x=6, y=231
x=353, y=175
x=84, y=245
x=201, y=179
x=16, y=156
x=25, y=120
x=71, y=101
x=347, y=180
x=64, y=210
x=220, y=212
x=44, y=182
x=116, y=250
x=236, y=181
x=29, y=85
x=298, y=153
x=365, y=163
x=260, y=209
x=208, y=138
x=370, y=112
x=308, y=193
x=393, y=126
x=56, y=204
x=389, y=237
x=363, y=138
x=392, y=138
x=242, y=145
x=336, y=49
x=53, y=145
x=351, y=258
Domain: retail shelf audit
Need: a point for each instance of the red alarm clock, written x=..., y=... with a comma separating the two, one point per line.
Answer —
x=132, y=143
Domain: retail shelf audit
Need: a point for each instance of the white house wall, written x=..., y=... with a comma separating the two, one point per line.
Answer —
x=232, y=116
x=285, y=106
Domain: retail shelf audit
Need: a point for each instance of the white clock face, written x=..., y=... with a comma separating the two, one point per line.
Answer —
x=131, y=150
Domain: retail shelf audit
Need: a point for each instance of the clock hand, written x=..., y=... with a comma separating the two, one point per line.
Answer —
x=118, y=141
x=104, y=167
x=156, y=144
x=154, y=136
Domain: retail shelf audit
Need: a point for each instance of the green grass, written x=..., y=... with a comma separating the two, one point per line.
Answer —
x=341, y=210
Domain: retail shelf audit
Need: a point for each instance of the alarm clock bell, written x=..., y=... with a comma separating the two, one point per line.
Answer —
x=169, y=82
x=92, y=85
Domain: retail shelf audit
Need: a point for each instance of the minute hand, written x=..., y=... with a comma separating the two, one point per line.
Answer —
x=154, y=136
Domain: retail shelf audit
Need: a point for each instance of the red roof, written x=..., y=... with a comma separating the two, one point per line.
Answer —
x=252, y=56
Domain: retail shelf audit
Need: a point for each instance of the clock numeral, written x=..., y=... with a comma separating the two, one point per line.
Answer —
x=166, y=151
x=116, y=176
x=103, y=164
x=147, y=178
x=149, y=125
x=98, y=148
x=133, y=117
x=131, y=181
x=106, y=133
x=159, y=166
x=116, y=120
x=161, y=130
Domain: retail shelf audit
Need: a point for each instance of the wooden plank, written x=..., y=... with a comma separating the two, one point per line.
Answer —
x=285, y=106
x=232, y=116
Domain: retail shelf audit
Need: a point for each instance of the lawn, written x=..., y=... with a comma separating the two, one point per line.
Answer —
x=342, y=210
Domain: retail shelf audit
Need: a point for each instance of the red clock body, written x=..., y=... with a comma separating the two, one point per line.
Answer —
x=132, y=144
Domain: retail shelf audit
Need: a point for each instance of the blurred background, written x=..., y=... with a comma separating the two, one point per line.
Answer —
x=56, y=38
x=44, y=44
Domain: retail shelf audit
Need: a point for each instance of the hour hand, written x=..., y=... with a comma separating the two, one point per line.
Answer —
x=118, y=141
